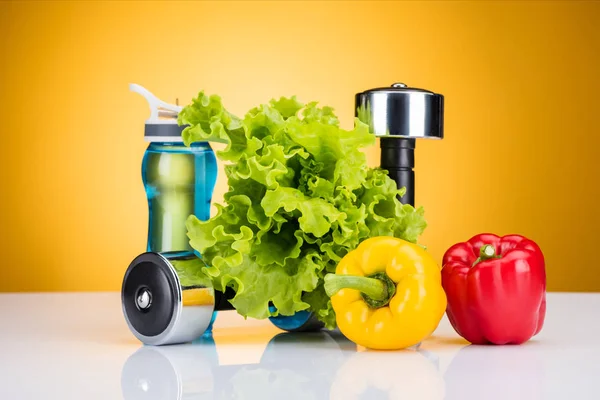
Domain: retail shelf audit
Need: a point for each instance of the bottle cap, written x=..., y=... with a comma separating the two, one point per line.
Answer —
x=401, y=111
x=162, y=125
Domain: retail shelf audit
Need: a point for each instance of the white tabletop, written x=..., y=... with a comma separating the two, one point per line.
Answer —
x=77, y=346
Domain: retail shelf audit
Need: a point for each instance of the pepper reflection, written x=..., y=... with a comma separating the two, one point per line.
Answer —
x=319, y=365
x=407, y=374
x=496, y=372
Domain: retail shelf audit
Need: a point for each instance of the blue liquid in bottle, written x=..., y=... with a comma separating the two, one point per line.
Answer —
x=179, y=182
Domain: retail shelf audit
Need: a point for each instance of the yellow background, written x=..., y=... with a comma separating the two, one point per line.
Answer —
x=521, y=82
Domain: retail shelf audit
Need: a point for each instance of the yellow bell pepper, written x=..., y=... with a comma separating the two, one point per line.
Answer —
x=387, y=294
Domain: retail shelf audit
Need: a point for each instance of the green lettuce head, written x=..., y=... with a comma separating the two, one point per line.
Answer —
x=301, y=196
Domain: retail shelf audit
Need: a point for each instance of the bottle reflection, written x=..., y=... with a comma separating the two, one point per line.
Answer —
x=317, y=365
x=293, y=366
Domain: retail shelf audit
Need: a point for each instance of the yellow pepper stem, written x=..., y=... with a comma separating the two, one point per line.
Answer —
x=377, y=290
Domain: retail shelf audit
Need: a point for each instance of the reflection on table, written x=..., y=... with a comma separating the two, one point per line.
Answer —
x=318, y=365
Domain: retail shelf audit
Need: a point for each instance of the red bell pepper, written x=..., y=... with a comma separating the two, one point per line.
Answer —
x=496, y=289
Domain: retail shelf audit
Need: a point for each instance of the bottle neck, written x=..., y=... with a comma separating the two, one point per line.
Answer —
x=179, y=146
x=170, y=143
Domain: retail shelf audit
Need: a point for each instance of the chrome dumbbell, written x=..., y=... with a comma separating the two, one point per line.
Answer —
x=164, y=305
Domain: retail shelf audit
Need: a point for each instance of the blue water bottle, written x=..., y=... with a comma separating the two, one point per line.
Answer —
x=179, y=180
x=164, y=296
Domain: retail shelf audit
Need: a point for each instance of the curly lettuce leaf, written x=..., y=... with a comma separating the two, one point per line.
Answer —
x=300, y=198
x=208, y=120
x=320, y=304
x=191, y=273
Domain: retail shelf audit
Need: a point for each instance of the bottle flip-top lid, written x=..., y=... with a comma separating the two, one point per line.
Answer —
x=400, y=111
x=162, y=125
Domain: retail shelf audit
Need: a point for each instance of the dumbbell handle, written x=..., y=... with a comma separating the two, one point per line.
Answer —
x=398, y=158
x=222, y=300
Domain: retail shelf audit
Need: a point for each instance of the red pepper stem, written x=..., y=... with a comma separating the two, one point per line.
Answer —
x=486, y=252
x=377, y=290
